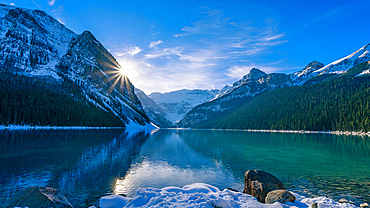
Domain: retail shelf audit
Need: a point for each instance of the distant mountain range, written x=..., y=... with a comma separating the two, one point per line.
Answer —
x=74, y=69
x=177, y=103
x=246, y=90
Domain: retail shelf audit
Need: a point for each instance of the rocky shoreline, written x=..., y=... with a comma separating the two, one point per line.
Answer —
x=261, y=189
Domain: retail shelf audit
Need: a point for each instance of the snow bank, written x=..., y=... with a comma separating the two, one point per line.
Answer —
x=133, y=126
x=27, y=127
x=204, y=195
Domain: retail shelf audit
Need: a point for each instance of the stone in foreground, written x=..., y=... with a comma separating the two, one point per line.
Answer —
x=363, y=205
x=38, y=196
x=281, y=196
x=258, y=183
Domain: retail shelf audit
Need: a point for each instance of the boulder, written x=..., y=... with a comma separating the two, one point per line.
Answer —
x=315, y=205
x=364, y=205
x=281, y=196
x=343, y=200
x=258, y=183
x=38, y=196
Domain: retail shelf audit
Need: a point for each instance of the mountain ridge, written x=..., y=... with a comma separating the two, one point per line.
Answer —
x=35, y=45
x=244, y=90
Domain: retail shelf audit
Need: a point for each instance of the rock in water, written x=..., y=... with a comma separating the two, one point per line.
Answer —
x=281, y=196
x=364, y=205
x=38, y=196
x=343, y=200
x=258, y=183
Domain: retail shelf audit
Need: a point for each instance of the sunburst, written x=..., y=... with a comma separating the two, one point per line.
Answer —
x=119, y=76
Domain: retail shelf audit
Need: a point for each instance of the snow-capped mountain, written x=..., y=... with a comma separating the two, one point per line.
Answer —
x=254, y=83
x=34, y=44
x=300, y=77
x=257, y=82
x=155, y=113
x=177, y=103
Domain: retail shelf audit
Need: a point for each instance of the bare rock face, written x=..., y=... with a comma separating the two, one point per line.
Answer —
x=258, y=183
x=281, y=196
x=38, y=197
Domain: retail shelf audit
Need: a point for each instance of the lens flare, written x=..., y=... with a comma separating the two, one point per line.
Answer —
x=119, y=76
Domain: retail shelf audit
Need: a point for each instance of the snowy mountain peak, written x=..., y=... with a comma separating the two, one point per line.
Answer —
x=342, y=65
x=253, y=75
x=35, y=44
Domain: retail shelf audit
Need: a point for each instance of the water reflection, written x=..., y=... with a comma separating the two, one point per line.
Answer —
x=310, y=164
x=166, y=160
x=91, y=163
x=78, y=163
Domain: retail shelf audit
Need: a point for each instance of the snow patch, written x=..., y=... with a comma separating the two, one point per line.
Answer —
x=28, y=127
x=133, y=126
x=204, y=195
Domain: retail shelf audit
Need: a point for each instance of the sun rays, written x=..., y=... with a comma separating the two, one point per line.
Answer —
x=118, y=76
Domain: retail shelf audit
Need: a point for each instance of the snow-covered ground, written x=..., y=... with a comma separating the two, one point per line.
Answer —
x=27, y=127
x=204, y=195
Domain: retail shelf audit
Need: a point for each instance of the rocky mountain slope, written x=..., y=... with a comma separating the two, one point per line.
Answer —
x=257, y=82
x=155, y=113
x=177, y=103
x=35, y=45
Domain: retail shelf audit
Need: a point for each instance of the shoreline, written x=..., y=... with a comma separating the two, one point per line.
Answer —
x=347, y=133
x=28, y=127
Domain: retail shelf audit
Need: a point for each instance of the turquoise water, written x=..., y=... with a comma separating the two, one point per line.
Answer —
x=91, y=163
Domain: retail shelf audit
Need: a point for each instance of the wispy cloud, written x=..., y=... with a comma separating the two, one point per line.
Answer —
x=51, y=2
x=58, y=13
x=237, y=72
x=324, y=16
x=38, y=6
x=130, y=51
x=206, y=54
x=155, y=43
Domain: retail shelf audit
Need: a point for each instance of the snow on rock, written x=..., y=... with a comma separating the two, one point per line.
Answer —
x=177, y=103
x=204, y=195
x=134, y=126
x=113, y=201
x=342, y=65
x=34, y=44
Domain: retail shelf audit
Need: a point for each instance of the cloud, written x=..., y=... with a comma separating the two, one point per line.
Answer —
x=58, y=13
x=207, y=54
x=324, y=16
x=51, y=2
x=12, y=4
x=238, y=72
x=155, y=43
x=131, y=51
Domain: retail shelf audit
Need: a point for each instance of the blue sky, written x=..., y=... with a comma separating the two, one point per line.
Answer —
x=172, y=45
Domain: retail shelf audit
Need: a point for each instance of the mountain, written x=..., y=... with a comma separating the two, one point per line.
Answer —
x=252, y=84
x=340, y=104
x=74, y=69
x=257, y=82
x=177, y=103
x=155, y=113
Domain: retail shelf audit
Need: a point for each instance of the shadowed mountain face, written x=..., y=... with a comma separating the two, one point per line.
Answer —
x=155, y=113
x=35, y=45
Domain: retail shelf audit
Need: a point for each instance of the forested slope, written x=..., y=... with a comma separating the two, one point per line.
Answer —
x=29, y=101
x=339, y=104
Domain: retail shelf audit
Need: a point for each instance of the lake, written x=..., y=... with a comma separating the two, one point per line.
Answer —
x=87, y=164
